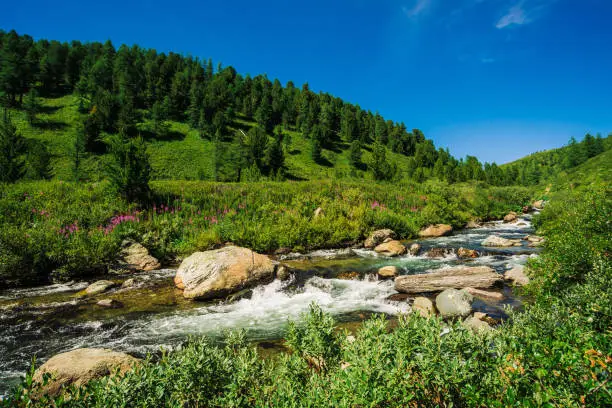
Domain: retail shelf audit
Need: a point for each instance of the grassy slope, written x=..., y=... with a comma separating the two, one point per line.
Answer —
x=183, y=156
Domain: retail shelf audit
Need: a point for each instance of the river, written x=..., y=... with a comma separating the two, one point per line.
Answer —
x=47, y=320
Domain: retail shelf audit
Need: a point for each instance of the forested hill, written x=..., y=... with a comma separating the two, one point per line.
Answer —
x=71, y=100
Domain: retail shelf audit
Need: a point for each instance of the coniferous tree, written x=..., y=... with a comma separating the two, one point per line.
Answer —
x=38, y=161
x=12, y=146
x=32, y=105
x=129, y=170
x=275, y=156
x=355, y=154
x=380, y=167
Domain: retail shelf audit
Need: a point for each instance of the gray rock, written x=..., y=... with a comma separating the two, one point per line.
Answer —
x=517, y=275
x=424, y=307
x=378, y=237
x=136, y=257
x=99, y=287
x=497, y=241
x=476, y=325
x=454, y=303
x=128, y=283
x=110, y=303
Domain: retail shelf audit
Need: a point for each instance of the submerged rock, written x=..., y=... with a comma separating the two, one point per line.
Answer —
x=110, y=303
x=438, y=230
x=497, y=241
x=424, y=307
x=517, y=275
x=391, y=248
x=387, y=272
x=282, y=273
x=378, y=237
x=80, y=366
x=348, y=275
x=134, y=256
x=220, y=272
x=99, y=287
x=454, y=303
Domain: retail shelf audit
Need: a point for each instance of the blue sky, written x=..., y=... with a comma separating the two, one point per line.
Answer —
x=495, y=78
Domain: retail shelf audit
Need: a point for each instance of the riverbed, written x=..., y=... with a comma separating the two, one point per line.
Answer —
x=47, y=320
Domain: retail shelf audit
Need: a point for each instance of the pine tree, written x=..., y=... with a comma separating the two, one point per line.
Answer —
x=275, y=156
x=129, y=170
x=381, y=168
x=32, y=105
x=355, y=154
x=12, y=146
x=38, y=161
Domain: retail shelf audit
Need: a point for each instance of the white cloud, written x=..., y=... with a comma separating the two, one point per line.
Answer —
x=516, y=15
x=418, y=8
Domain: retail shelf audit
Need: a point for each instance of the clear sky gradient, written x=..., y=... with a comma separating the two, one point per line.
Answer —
x=495, y=78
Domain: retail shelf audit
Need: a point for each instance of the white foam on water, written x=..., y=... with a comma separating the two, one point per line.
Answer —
x=43, y=290
x=271, y=307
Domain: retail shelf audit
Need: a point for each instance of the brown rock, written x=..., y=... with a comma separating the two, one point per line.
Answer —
x=476, y=325
x=282, y=273
x=457, y=277
x=424, y=307
x=348, y=275
x=220, y=272
x=473, y=224
x=485, y=295
x=391, y=248
x=80, y=366
x=137, y=257
x=511, y=217
x=467, y=253
x=414, y=249
x=387, y=272
x=438, y=252
x=438, y=230
x=398, y=297
x=538, y=205
x=517, y=275
x=378, y=237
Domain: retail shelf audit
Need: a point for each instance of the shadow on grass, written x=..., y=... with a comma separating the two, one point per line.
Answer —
x=49, y=110
x=50, y=125
x=295, y=152
x=168, y=136
x=293, y=177
x=324, y=162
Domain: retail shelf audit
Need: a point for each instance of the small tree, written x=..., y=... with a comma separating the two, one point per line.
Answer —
x=11, y=149
x=129, y=170
x=31, y=105
x=275, y=156
x=381, y=168
x=159, y=116
x=38, y=161
x=355, y=154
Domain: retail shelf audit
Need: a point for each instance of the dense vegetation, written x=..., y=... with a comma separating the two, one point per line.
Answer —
x=207, y=123
x=554, y=353
x=55, y=229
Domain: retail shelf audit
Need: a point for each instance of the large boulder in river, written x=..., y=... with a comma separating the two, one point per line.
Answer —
x=454, y=303
x=391, y=248
x=135, y=256
x=438, y=230
x=218, y=273
x=99, y=287
x=497, y=241
x=378, y=237
x=79, y=366
x=456, y=277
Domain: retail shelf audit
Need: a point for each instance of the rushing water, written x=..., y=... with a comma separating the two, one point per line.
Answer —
x=44, y=321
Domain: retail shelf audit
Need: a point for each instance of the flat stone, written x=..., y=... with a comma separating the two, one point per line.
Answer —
x=388, y=272
x=99, y=287
x=110, y=303
x=392, y=248
x=517, y=275
x=485, y=295
x=438, y=230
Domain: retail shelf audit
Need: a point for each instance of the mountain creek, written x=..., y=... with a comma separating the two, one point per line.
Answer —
x=44, y=321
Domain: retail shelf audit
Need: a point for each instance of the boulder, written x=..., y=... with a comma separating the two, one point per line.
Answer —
x=473, y=224
x=128, y=283
x=476, y=325
x=510, y=217
x=424, y=307
x=99, y=287
x=136, y=257
x=79, y=366
x=517, y=275
x=538, y=205
x=497, y=241
x=220, y=272
x=387, y=272
x=414, y=249
x=391, y=248
x=437, y=252
x=110, y=303
x=485, y=295
x=282, y=273
x=456, y=277
x=467, y=253
x=454, y=303
x=438, y=230
x=378, y=237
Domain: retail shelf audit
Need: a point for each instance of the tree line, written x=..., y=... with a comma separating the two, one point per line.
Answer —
x=119, y=89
